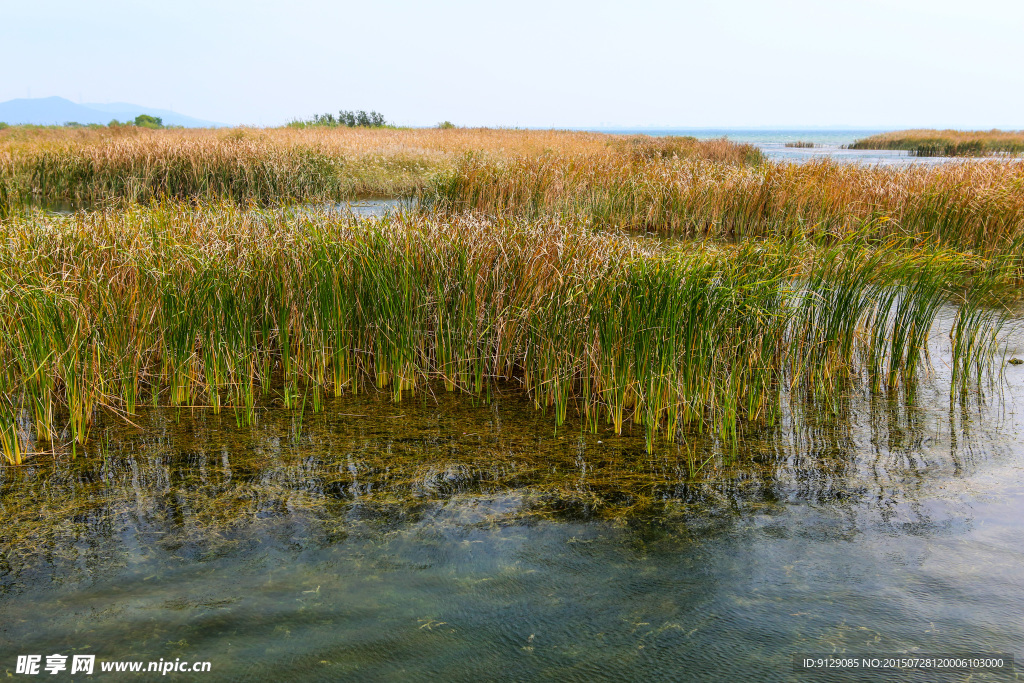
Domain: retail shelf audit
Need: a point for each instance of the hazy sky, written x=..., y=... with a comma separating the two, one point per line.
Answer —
x=730, y=63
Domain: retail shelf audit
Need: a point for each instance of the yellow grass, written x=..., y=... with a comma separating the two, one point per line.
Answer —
x=965, y=205
x=277, y=165
x=928, y=142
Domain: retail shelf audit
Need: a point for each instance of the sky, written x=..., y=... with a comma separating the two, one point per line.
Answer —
x=532, y=63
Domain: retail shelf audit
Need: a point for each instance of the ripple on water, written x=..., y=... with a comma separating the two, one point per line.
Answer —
x=450, y=543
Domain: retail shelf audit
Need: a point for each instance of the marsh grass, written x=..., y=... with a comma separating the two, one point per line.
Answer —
x=969, y=206
x=801, y=144
x=675, y=186
x=947, y=143
x=645, y=148
x=281, y=165
x=216, y=307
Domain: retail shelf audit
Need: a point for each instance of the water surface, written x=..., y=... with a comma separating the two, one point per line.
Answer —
x=828, y=144
x=447, y=538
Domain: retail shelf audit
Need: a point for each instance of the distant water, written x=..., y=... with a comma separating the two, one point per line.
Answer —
x=828, y=143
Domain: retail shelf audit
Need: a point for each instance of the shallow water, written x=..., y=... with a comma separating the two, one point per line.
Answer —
x=364, y=208
x=445, y=538
x=359, y=208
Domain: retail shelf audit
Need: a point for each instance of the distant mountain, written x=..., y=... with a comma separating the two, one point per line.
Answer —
x=48, y=111
x=123, y=111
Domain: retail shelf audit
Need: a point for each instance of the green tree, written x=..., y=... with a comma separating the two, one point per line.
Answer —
x=147, y=121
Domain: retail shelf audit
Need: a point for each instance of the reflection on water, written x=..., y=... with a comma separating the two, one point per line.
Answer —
x=359, y=208
x=439, y=538
x=881, y=157
x=365, y=208
x=58, y=206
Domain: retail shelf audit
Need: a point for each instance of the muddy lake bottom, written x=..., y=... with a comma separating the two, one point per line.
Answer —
x=447, y=538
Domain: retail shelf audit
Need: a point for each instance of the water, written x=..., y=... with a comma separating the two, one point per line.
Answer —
x=364, y=208
x=827, y=144
x=360, y=208
x=442, y=538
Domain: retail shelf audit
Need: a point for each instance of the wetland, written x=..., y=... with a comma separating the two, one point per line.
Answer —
x=527, y=405
x=438, y=538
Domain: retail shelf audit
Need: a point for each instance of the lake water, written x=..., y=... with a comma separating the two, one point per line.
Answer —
x=449, y=539
x=827, y=144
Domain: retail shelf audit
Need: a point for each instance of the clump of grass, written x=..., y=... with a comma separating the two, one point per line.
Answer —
x=10, y=193
x=644, y=148
x=10, y=412
x=975, y=206
x=323, y=163
x=214, y=307
x=801, y=144
x=947, y=143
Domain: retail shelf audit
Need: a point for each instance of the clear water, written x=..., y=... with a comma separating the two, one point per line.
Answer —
x=443, y=538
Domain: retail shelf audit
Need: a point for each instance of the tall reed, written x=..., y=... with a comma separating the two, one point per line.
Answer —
x=978, y=206
x=281, y=165
x=214, y=307
x=947, y=143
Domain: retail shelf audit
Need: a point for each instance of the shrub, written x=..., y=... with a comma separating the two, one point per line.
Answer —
x=147, y=121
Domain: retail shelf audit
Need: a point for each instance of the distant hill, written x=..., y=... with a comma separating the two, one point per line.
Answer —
x=49, y=111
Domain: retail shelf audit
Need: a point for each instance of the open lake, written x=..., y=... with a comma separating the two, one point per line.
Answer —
x=446, y=539
x=827, y=144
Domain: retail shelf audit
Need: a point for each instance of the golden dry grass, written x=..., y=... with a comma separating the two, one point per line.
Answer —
x=968, y=205
x=279, y=165
x=929, y=142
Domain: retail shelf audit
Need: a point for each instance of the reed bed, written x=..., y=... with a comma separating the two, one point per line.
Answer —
x=801, y=144
x=280, y=165
x=948, y=143
x=975, y=206
x=220, y=307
